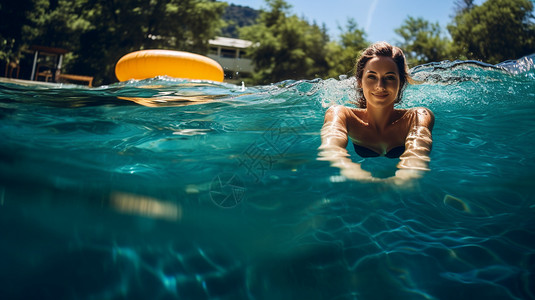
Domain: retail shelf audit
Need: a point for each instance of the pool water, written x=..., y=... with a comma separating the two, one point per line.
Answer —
x=174, y=189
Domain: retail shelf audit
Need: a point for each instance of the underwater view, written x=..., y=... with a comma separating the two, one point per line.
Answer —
x=174, y=189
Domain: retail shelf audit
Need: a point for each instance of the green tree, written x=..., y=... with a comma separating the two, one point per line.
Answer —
x=495, y=31
x=13, y=16
x=423, y=41
x=55, y=23
x=462, y=6
x=285, y=46
x=342, y=55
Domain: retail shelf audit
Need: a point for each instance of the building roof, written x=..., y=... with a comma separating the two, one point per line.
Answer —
x=230, y=42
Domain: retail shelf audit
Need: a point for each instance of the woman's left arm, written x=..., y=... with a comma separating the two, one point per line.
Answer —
x=415, y=160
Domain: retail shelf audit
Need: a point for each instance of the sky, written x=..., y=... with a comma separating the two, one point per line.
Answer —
x=378, y=18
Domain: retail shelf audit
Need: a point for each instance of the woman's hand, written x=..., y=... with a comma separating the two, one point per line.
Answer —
x=405, y=178
x=354, y=171
x=339, y=158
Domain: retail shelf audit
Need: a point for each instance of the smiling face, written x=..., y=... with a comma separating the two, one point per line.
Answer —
x=380, y=81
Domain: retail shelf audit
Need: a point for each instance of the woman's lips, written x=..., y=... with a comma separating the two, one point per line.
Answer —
x=381, y=95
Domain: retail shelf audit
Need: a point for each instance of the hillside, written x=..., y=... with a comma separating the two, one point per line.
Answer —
x=237, y=16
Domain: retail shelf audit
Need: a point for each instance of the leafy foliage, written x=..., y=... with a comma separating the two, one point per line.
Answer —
x=342, y=56
x=13, y=16
x=285, y=46
x=462, y=6
x=423, y=41
x=495, y=31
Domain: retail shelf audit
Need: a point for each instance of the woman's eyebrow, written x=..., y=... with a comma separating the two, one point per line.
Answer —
x=391, y=72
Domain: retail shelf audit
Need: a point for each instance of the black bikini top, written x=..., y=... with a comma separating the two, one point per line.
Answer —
x=365, y=152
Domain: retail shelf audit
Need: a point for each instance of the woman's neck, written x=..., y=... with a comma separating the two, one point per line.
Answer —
x=379, y=117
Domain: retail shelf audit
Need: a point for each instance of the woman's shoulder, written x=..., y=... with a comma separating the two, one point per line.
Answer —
x=339, y=108
x=345, y=111
x=415, y=112
x=344, y=114
x=421, y=110
x=421, y=116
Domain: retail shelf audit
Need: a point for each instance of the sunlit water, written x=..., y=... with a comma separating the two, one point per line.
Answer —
x=169, y=189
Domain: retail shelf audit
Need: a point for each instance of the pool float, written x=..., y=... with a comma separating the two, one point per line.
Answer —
x=145, y=64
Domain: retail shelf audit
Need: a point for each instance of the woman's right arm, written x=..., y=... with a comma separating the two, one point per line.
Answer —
x=334, y=130
x=334, y=142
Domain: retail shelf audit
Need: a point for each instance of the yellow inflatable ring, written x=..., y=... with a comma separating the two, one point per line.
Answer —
x=151, y=63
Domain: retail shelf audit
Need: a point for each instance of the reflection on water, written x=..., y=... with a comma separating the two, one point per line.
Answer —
x=153, y=198
x=145, y=206
x=456, y=203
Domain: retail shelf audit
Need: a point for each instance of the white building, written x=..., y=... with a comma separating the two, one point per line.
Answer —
x=230, y=54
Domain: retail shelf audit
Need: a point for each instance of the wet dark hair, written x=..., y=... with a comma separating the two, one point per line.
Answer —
x=387, y=50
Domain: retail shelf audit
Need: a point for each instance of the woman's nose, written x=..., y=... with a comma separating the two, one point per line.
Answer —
x=381, y=84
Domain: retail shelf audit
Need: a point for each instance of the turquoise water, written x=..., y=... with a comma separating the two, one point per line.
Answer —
x=172, y=189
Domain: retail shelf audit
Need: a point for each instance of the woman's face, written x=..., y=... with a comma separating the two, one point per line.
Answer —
x=380, y=81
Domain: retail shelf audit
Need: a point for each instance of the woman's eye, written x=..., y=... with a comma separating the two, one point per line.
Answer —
x=391, y=78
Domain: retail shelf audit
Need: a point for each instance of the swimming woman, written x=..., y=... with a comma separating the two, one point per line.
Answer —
x=376, y=128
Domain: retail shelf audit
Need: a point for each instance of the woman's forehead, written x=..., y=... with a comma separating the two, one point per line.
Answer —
x=381, y=64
